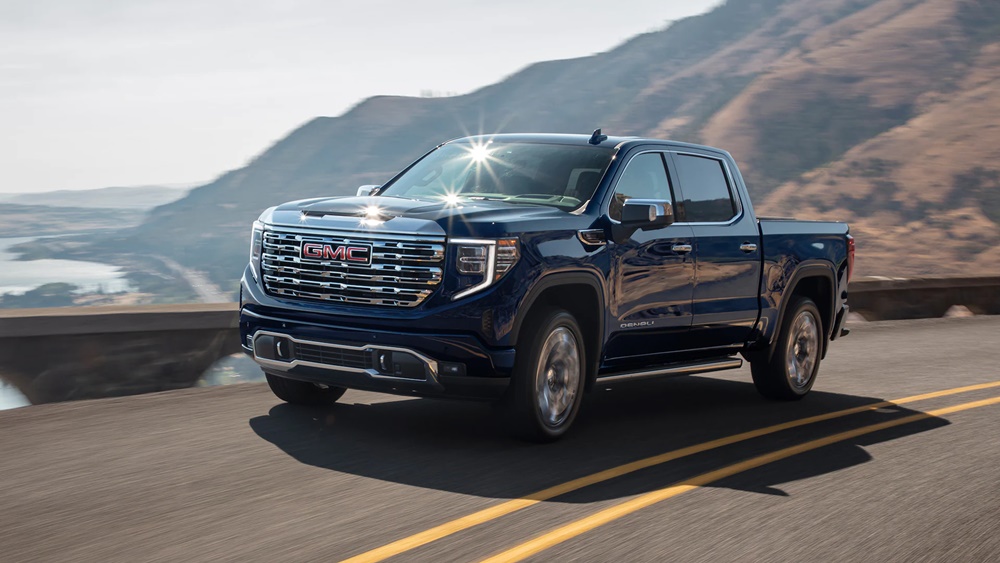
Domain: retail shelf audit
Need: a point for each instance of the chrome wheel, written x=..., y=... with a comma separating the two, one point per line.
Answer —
x=557, y=376
x=802, y=350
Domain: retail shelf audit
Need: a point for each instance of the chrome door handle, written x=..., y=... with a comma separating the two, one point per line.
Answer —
x=682, y=248
x=748, y=247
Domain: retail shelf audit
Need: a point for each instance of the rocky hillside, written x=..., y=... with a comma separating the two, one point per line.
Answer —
x=880, y=112
x=923, y=196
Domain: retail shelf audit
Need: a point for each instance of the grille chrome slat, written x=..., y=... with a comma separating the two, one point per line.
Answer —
x=403, y=273
x=418, y=274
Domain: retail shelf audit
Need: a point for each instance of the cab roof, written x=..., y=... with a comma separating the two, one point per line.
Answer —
x=613, y=142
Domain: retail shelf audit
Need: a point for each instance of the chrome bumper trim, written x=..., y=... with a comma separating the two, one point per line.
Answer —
x=429, y=363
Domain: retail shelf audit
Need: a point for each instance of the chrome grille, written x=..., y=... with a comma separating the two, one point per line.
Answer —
x=404, y=269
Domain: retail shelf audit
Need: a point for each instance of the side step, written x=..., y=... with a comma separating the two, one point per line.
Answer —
x=676, y=369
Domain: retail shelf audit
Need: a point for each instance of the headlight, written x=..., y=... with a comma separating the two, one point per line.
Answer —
x=485, y=259
x=256, y=239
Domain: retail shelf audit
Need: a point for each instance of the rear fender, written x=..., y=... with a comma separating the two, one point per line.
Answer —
x=809, y=269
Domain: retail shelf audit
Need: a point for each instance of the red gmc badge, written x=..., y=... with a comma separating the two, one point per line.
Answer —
x=349, y=254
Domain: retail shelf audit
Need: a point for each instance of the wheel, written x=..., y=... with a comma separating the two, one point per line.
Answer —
x=792, y=369
x=302, y=392
x=549, y=373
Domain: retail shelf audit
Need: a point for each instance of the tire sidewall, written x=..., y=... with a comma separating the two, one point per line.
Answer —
x=803, y=304
x=302, y=393
x=526, y=371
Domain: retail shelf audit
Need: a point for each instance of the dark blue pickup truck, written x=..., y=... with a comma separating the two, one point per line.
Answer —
x=525, y=269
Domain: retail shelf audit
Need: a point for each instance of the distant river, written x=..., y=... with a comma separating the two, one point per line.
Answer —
x=20, y=276
x=11, y=398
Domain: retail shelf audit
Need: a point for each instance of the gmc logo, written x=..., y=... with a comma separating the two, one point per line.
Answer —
x=342, y=253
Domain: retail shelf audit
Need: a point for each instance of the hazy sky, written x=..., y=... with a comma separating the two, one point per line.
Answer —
x=97, y=93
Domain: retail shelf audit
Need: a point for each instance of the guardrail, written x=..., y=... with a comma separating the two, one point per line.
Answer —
x=89, y=352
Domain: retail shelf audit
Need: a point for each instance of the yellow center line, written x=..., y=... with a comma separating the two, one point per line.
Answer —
x=613, y=513
x=492, y=513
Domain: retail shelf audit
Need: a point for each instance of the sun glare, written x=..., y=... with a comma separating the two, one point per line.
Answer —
x=479, y=153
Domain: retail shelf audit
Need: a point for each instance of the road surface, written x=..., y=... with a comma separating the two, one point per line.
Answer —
x=230, y=474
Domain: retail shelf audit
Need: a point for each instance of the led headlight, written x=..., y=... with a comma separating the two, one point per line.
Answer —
x=256, y=240
x=486, y=259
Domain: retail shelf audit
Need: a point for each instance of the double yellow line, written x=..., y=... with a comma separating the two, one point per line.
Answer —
x=602, y=517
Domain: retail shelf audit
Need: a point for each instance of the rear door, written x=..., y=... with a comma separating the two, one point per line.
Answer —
x=652, y=279
x=726, y=239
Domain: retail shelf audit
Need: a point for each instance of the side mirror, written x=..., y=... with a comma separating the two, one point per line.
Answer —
x=367, y=190
x=647, y=214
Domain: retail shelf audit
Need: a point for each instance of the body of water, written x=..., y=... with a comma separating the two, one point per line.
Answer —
x=11, y=398
x=18, y=276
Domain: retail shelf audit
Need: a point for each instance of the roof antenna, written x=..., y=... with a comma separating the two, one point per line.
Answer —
x=597, y=138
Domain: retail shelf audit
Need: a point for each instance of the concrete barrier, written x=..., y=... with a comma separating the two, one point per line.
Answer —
x=879, y=299
x=88, y=352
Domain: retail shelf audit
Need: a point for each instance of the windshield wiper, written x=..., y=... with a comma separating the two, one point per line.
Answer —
x=487, y=197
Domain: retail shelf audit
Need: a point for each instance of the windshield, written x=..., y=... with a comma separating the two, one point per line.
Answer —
x=563, y=176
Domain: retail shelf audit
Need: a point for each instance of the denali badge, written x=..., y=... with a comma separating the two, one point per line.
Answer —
x=354, y=253
x=638, y=324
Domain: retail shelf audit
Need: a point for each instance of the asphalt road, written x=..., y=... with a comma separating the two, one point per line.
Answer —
x=230, y=474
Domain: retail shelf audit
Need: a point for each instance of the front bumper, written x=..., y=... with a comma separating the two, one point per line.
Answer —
x=424, y=364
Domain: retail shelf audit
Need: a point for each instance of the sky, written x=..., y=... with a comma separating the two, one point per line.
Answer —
x=98, y=93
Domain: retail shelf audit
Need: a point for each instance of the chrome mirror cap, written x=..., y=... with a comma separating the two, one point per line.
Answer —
x=647, y=213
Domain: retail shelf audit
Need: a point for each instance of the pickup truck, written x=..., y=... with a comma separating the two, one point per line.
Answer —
x=525, y=269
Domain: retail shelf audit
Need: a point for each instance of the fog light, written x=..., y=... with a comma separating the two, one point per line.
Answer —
x=451, y=368
x=399, y=364
x=383, y=362
x=282, y=349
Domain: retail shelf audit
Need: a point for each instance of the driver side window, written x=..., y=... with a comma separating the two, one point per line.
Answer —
x=645, y=177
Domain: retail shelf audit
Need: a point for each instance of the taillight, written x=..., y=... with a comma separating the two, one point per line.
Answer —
x=850, y=256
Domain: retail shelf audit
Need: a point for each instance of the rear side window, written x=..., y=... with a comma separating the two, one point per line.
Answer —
x=645, y=177
x=707, y=195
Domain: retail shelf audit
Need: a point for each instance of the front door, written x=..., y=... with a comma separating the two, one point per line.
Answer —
x=652, y=277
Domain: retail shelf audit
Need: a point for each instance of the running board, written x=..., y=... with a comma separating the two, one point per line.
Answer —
x=679, y=369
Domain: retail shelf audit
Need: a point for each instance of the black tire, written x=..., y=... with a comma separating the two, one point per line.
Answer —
x=781, y=378
x=303, y=392
x=556, y=333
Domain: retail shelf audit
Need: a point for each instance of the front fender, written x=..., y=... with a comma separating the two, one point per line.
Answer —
x=540, y=292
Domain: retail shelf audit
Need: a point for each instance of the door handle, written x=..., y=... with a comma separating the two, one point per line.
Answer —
x=682, y=248
x=748, y=247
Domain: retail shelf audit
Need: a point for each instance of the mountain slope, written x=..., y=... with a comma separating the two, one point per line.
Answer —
x=805, y=93
x=924, y=196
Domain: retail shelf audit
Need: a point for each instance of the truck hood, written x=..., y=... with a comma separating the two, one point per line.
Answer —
x=400, y=215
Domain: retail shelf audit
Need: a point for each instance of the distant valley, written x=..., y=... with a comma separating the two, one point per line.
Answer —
x=132, y=197
x=41, y=237
x=43, y=220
